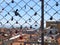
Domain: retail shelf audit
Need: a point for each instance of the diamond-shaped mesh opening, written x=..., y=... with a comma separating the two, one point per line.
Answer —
x=28, y=11
x=51, y=9
x=23, y=14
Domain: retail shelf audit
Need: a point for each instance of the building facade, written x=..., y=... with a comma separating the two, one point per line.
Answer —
x=53, y=24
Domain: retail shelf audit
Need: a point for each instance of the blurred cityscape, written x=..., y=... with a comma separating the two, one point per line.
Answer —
x=17, y=36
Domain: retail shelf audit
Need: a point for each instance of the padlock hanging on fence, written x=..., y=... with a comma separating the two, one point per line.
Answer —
x=16, y=22
x=1, y=23
x=2, y=8
x=25, y=6
x=21, y=27
x=12, y=1
x=30, y=26
x=29, y=20
x=57, y=4
x=31, y=8
x=51, y=18
x=25, y=21
x=17, y=14
x=35, y=13
x=12, y=19
x=35, y=25
x=8, y=13
x=7, y=22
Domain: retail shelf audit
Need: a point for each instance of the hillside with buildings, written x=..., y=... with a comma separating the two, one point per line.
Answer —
x=18, y=35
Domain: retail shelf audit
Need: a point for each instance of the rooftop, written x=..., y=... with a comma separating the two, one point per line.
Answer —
x=53, y=20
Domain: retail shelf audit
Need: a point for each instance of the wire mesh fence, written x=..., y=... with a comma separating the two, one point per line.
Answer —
x=52, y=10
x=27, y=13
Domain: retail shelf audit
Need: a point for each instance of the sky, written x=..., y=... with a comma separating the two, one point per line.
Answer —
x=31, y=16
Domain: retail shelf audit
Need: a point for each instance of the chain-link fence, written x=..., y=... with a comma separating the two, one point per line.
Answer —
x=27, y=13
x=51, y=10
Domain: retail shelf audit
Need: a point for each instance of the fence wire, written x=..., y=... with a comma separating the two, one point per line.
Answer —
x=25, y=13
x=52, y=10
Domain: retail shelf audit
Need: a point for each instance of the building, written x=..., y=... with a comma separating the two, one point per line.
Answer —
x=53, y=24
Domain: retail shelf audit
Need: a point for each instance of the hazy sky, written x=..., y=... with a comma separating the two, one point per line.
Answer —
x=24, y=9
